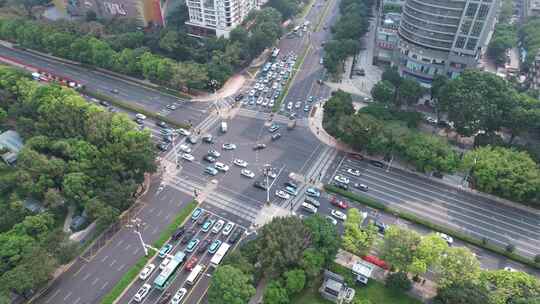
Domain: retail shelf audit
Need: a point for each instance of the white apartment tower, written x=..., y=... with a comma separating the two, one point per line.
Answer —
x=217, y=17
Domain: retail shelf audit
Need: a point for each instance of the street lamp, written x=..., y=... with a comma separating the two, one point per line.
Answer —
x=137, y=225
x=267, y=169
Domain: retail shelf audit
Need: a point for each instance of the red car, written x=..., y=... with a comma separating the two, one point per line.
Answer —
x=356, y=156
x=339, y=203
x=191, y=263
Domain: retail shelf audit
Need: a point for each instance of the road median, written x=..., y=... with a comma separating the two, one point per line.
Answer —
x=364, y=200
x=131, y=275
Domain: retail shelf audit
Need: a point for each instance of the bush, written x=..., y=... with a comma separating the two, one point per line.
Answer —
x=537, y=258
x=510, y=247
x=398, y=281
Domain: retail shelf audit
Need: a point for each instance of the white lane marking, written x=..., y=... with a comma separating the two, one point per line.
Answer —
x=95, y=281
x=86, y=276
x=54, y=295
x=68, y=295
x=113, y=262
x=121, y=267
x=104, y=285
x=77, y=300
x=104, y=258
x=127, y=247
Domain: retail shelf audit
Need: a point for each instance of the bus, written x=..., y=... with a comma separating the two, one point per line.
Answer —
x=194, y=275
x=218, y=256
x=275, y=53
x=167, y=275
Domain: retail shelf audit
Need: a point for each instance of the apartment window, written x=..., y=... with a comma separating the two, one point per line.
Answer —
x=465, y=27
x=471, y=44
x=483, y=11
x=460, y=42
x=477, y=28
x=471, y=10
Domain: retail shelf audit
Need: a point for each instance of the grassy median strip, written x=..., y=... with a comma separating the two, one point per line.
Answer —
x=128, y=106
x=362, y=199
x=295, y=70
x=132, y=273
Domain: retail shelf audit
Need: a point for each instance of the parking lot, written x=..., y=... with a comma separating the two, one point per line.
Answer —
x=199, y=256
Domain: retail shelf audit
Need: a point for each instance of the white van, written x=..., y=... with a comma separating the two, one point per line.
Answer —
x=309, y=207
x=223, y=127
x=140, y=116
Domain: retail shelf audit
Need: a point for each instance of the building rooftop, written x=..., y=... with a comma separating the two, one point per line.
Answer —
x=12, y=141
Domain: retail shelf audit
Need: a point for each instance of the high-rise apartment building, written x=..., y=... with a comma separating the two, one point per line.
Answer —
x=217, y=17
x=443, y=36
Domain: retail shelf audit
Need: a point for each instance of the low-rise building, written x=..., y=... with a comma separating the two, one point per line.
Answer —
x=335, y=289
x=11, y=144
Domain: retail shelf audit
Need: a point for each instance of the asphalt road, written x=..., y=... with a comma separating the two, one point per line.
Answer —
x=150, y=100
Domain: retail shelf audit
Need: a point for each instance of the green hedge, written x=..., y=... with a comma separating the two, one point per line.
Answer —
x=134, y=271
x=415, y=219
x=132, y=107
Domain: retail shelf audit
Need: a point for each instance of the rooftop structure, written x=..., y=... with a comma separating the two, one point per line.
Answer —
x=13, y=143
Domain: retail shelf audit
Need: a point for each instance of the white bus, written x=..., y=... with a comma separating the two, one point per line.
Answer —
x=194, y=275
x=218, y=256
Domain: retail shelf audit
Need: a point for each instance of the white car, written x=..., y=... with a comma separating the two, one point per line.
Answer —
x=271, y=173
x=142, y=292
x=247, y=173
x=445, y=237
x=508, y=268
x=283, y=194
x=188, y=157
x=252, y=92
x=339, y=215
x=228, y=228
x=140, y=116
x=342, y=179
x=228, y=146
x=184, y=148
x=217, y=226
x=240, y=163
x=183, y=132
x=178, y=296
x=332, y=220
x=353, y=172
x=298, y=104
x=289, y=106
x=221, y=166
x=264, y=103
x=147, y=271
x=164, y=263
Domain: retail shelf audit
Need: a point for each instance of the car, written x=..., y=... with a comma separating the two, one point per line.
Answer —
x=203, y=246
x=208, y=138
x=311, y=99
x=282, y=194
x=309, y=207
x=247, y=173
x=367, y=99
x=298, y=105
x=290, y=184
x=273, y=128
x=446, y=237
x=259, y=146
x=221, y=166
x=165, y=298
x=289, y=106
x=264, y=102
x=306, y=108
x=313, y=192
x=228, y=228
x=339, y=203
x=239, y=97
x=209, y=158
x=192, y=244
x=178, y=233
x=162, y=124
x=361, y=72
x=332, y=220
x=167, y=139
x=259, y=101
x=142, y=292
x=102, y=102
x=228, y=146
x=361, y=187
x=235, y=236
x=138, y=121
x=251, y=93
x=341, y=185
x=377, y=163
x=291, y=190
x=115, y=91
x=312, y=201
x=508, y=268
x=217, y=226
x=165, y=250
x=271, y=103
x=192, y=139
x=338, y=215
x=240, y=163
x=214, y=246
x=191, y=262
x=147, y=271
x=178, y=296
x=214, y=153
x=188, y=157
x=184, y=132
x=342, y=179
x=164, y=263
x=189, y=234
x=211, y=171
x=270, y=173
x=207, y=225
x=140, y=116
x=184, y=148
x=354, y=172
x=260, y=185
x=431, y=120
x=276, y=136
x=171, y=107
x=380, y=226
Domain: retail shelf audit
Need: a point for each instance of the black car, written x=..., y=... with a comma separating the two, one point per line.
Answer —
x=235, y=236
x=204, y=245
x=188, y=236
x=104, y=103
x=209, y=158
x=276, y=136
x=259, y=146
x=162, y=124
x=165, y=298
x=178, y=233
x=341, y=185
x=163, y=146
x=203, y=219
x=291, y=184
x=260, y=185
x=239, y=97
x=380, y=226
x=376, y=163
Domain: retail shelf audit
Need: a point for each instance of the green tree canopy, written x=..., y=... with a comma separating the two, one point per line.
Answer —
x=230, y=285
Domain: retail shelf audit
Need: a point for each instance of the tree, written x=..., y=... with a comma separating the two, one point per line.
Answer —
x=429, y=252
x=462, y=293
x=312, y=262
x=275, y=293
x=398, y=282
x=391, y=75
x=399, y=247
x=504, y=172
x=457, y=265
x=295, y=280
x=507, y=286
x=324, y=237
x=356, y=239
x=230, y=285
x=383, y=91
x=429, y=153
x=3, y=115
x=409, y=92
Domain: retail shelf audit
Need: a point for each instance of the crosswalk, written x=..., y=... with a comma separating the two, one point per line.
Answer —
x=267, y=116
